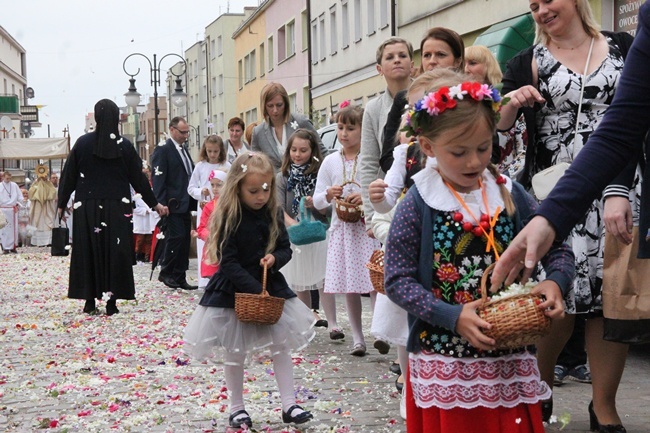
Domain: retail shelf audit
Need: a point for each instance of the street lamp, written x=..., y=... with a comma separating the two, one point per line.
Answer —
x=197, y=130
x=132, y=97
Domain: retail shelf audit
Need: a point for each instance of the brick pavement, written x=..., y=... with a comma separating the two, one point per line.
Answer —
x=126, y=372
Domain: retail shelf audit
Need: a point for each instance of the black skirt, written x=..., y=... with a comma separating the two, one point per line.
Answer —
x=102, y=250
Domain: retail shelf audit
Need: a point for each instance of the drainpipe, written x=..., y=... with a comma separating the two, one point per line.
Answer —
x=393, y=19
x=309, y=82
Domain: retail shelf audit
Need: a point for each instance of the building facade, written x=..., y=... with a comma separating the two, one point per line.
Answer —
x=13, y=82
x=344, y=36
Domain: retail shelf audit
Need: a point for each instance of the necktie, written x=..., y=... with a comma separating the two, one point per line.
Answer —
x=186, y=160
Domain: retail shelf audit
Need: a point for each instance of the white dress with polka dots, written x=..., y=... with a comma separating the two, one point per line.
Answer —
x=349, y=247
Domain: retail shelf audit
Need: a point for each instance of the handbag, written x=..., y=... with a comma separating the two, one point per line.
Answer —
x=544, y=181
x=626, y=293
x=60, y=237
x=307, y=231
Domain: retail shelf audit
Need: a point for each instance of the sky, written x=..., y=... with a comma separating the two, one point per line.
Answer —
x=75, y=49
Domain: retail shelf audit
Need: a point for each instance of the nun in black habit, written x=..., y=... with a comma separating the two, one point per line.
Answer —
x=100, y=167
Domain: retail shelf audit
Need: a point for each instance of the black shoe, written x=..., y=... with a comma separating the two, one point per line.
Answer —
x=246, y=419
x=321, y=323
x=547, y=410
x=301, y=418
x=111, y=307
x=185, y=286
x=399, y=385
x=13, y=251
x=89, y=307
x=381, y=346
x=395, y=368
x=594, y=425
x=167, y=281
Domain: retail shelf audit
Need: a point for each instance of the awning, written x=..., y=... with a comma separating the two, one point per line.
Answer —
x=507, y=38
x=33, y=148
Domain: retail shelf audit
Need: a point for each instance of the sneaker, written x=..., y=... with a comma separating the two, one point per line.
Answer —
x=559, y=374
x=580, y=374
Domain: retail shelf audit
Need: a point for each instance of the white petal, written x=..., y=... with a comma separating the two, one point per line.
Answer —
x=112, y=136
x=125, y=200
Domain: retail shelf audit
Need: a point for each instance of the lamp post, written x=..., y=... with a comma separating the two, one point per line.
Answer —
x=132, y=97
x=197, y=130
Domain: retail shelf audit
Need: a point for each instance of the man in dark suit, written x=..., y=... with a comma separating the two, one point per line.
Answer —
x=172, y=169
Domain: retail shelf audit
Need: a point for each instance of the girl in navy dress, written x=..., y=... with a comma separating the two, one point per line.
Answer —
x=246, y=233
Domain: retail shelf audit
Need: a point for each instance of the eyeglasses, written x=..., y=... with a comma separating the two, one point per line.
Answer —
x=182, y=132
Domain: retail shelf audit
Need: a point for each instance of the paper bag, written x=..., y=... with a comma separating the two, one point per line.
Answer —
x=626, y=292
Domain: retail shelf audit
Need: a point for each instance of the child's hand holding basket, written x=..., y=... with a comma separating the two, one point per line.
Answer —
x=349, y=209
x=516, y=320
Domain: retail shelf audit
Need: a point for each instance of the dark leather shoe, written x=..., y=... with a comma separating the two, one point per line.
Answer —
x=186, y=286
x=169, y=282
x=111, y=307
x=302, y=417
x=89, y=307
x=239, y=418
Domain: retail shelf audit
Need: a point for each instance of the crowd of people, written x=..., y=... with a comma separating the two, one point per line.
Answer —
x=442, y=196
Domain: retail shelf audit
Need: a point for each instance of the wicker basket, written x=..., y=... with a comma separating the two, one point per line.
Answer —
x=262, y=309
x=346, y=211
x=516, y=321
x=376, y=268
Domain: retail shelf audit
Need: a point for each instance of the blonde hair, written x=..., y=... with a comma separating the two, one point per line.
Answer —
x=225, y=221
x=379, y=54
x=465, y=110
x=483, y=55
x=589, y=23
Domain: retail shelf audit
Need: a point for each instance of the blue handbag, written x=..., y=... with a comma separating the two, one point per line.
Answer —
x=307, y=231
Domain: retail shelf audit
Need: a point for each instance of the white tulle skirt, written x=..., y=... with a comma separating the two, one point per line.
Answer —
x=213, y=331
x=306, y=269
x=389, y=321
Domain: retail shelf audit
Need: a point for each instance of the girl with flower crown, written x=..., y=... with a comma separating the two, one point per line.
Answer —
x=349, y=247
x=296, y=181
x=246, y=235
x=452, y=224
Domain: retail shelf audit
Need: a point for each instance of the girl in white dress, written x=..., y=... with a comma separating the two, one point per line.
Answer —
x=349, y=246
x=213, y=157
x=296, y=180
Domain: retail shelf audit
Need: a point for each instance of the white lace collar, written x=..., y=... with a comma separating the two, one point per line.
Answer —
x=436, y=195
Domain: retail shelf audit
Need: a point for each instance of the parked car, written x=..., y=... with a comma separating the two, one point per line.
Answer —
x=328, y=137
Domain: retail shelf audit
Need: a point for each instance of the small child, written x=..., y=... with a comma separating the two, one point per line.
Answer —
x=248, y=235
x=216, y=179
x=296, y=180
x=212, y=157
x=349, y=246
x=144, y=223
x=454, y=222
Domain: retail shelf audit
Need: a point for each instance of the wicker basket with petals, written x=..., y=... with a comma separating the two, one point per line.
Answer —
x=376, y=268
x=346, y=211
x=262, y=309
x=516, y=320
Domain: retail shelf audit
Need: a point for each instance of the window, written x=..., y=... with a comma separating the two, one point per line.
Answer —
x=282, y=44
x=213, y=52
x=323, y=48
x=333, y=32
x=269, y=49
x=214, y=87
x=219, y=45
x=189, y=72
x=249, y=66
x=292, y=103
x=221, y=122
x=357, y=20
x=196, y=68
x=204, y=94
x=220, y=84
x=371, y=17
x=240, y=74
x=384, y=10
x=314, y=42
x=304, y=25
x=290, y=34
x=262, y=60
x=345, y=24
x=192, y=103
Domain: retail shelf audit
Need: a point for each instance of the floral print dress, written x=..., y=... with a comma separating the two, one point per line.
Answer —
x=556, y=142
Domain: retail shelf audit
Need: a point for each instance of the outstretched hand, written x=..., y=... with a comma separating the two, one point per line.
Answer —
x=470, y=325
x=523, y=253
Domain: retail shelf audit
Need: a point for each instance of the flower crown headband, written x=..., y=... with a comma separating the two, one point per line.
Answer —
x=445, y=98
